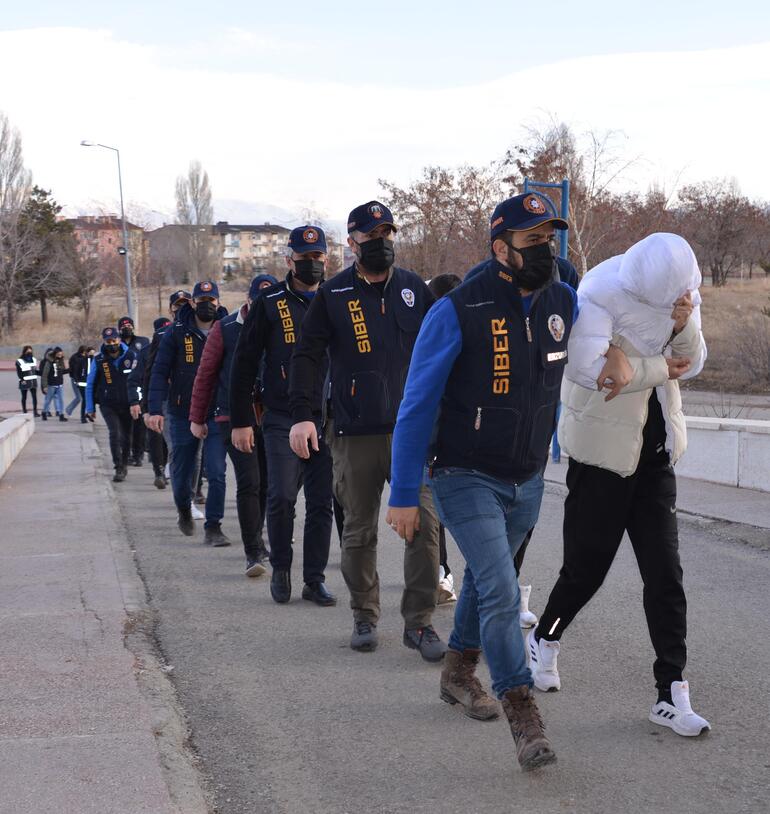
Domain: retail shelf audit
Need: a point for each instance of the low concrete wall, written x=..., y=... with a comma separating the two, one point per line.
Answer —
x=732, y=451
x=14, y=434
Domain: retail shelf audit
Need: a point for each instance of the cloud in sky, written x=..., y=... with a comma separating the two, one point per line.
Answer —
x=269, y=138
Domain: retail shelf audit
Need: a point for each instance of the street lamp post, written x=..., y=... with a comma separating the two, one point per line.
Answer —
x=125, y=252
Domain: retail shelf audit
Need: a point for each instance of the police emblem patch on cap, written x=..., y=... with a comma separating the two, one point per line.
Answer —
x=206, y=286
x=407, y=295
x=310, y=236
x=375, y=210
x=556, y=327
x=180, y=293
x=534, y=205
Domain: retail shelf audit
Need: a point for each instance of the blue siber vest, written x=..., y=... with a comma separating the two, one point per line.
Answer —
x=371, y=347
x=284, y=310
x=499, y=406
x=111, y=382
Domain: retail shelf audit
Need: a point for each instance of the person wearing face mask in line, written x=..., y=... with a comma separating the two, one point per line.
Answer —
x=270, y=334
x=156, y=444
x=366, y=319
x=52, y=375
x=566, y=272
x=173, y=374
x=73, y=369
x=26, y=370
x=481, y=395
x=138, y=429
x=83, y=371
x=212, y=385
x=107, y=386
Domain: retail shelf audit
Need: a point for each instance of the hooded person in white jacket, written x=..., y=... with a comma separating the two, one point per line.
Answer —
x=638, y=333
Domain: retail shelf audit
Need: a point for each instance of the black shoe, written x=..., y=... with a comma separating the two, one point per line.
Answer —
x=24, y=410
x=280, y=586
x=159, y=482
x=318, y=593
x=84, y=421
x=120, y=475
x=90, y=418
x=137, y=461
x=185, y=522
x=63, y=417
x=213, y=536
x=262, y=554
x=44, y=416
x=426, y=640
x=254, y=568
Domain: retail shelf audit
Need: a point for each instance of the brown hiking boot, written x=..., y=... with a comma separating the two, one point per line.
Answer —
x=459, y=685
x=532, y=746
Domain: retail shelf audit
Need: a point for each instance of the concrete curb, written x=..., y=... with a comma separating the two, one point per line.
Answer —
x=15, y=431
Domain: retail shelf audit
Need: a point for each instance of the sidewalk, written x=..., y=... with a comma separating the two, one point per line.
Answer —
x=711, y=501
x=86, y=708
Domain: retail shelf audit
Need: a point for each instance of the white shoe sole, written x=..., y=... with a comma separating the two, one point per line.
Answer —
x=256, y=570
x=527, y=620
x=549, y=684
x=673, y=723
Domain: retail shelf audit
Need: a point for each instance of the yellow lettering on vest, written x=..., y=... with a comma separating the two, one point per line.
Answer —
x=360, y=330
x=107, y=373
x=287, y=322
x=189, y=350
x=501, y=359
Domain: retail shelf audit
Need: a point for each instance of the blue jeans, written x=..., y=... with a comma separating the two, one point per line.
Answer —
x=54, y=394
x=184, y=469
x=78, y=394
x=489, y=519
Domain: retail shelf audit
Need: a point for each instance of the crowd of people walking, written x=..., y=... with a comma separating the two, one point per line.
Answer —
x=448, y=392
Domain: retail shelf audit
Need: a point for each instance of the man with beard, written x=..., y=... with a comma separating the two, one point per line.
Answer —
x=366, y=319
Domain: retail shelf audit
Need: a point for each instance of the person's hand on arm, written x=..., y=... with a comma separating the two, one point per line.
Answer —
x=615, y=374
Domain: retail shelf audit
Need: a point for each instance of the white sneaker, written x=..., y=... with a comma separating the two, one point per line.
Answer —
x=196, y=513
x=526, y=617
x=167, y=471
x=446, y=590
x=542, y=663
x=680, y=716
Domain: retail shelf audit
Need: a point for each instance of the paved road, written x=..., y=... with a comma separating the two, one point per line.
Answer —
x=288, y=719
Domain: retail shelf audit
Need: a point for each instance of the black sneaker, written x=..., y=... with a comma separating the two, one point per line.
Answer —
x=317, y=592
x=262, y=555
x=254, y=568
x=426, y=640
x=159, y=482
x=91, y=418
x=137, y=461
x=185, y=522
x=120, y=475
x=280, y=586
x=44, y=416
x=364, y=638
x=214, y=536
x=63, y=417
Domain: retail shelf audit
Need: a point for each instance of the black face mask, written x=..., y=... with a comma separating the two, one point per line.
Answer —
x=126, y=333
x=538, y=268
x=112, y=350
x=377, y=255
x=309, y=271
x=206, y=311
x=27, y=357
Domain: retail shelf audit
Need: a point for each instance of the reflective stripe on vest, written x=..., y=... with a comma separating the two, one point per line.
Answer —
x=29, y=369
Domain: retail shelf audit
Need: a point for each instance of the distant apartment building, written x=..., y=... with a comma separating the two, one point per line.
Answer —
x=99, y=237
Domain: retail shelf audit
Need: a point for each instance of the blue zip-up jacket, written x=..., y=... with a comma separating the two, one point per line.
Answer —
x=493, y=361
x=176, y=363
x=123, y=365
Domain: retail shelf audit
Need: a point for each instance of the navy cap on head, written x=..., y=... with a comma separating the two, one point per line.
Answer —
x=179, y=295
x=110, y=333
x=307, y=239
x=369, y=216
x=521, y=213
x=125, y=321
x=205, y=289
x=258, y=283
x=160, y=322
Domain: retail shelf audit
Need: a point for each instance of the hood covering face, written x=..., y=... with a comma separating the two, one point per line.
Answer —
x=639, y=288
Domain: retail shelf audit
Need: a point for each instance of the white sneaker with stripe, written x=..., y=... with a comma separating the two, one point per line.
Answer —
x=542, y=663
x=679, y=716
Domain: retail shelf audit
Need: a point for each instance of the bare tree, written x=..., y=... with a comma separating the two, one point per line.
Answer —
x=195, y=211
x=16, y=246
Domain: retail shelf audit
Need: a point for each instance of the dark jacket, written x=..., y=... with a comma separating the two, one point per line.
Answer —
x=264, y=353
x=369, y=337
x=176, y=363
x=27, y=371
x=108, y=380
x=211, y=391
x=136, y=343
x=52, y=372
x=497, y=412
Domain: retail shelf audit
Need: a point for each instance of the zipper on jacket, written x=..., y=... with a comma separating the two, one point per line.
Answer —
x=382, y=304
x=353, y=387
x=283, y=371
x=477, y=422
x=529, y=330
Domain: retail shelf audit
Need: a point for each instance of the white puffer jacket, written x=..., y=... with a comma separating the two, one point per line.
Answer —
x=627, y=301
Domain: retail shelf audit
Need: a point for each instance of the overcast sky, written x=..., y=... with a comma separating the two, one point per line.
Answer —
x=298, y=104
